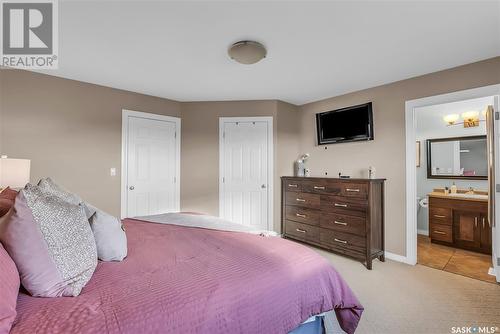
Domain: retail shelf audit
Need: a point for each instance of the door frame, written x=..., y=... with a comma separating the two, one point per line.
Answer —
x=270, y=162
x=411, y=177
x=126, y=114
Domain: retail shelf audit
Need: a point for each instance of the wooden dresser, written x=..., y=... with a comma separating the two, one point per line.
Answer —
x=345, y=216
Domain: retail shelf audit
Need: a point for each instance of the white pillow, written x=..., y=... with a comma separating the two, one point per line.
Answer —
x=109, y=235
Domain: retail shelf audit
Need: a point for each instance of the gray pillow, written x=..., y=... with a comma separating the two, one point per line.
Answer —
x=48, y=186
x=109, y=235
x=52, y=243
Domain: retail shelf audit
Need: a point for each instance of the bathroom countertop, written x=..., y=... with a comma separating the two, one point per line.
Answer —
x=460, y=198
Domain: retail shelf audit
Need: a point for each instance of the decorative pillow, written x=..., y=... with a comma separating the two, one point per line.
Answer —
x=9, y=193
x=9, y=289
x=50, y=187
x=5, y=205
x=109, y=235
x=7, y=197
x=51, y=243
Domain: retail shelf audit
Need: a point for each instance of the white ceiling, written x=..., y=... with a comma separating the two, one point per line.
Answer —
x=316, y=50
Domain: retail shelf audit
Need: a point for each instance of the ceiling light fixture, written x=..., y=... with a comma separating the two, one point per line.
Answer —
x=247, y=52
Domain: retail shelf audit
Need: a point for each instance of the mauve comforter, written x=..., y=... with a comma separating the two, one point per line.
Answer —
x=192, y=280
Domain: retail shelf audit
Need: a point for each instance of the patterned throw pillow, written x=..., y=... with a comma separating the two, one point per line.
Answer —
x=49, y=186
x=51, y=242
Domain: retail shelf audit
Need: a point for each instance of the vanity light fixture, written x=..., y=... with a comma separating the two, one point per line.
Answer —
x=451, y=119
x=470, y=119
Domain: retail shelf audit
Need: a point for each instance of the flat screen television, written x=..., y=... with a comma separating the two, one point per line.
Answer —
x=345, y=125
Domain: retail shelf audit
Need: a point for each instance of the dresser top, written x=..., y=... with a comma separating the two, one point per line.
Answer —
x=332, y=178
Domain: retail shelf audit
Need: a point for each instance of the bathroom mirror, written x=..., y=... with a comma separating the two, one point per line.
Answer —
x=457, y=158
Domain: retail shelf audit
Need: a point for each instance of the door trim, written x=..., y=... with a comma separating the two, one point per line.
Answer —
x=126, y=114
x=270, y=162
x=411, y=177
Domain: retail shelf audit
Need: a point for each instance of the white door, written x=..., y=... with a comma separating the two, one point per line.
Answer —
x=152, y=164
x=246, y=171
x=493, y=132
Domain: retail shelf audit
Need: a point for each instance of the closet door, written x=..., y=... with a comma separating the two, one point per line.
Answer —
x=152, y=160
x=245, y=169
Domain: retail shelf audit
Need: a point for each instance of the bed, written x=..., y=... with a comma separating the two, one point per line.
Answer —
x=183, y=279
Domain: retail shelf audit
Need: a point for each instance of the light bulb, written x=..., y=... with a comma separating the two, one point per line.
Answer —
x=451, y=119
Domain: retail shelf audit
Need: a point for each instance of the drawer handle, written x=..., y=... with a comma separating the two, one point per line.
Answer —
x=300, y=230
x=292, y=185
x=439, y=216
x=475, y=222
x=300, y=215
x=300, y=200
x=352, y=190
x=341, y=205
x=439, y=232
x=339, y=223
x=319, y=187
x=341, y=241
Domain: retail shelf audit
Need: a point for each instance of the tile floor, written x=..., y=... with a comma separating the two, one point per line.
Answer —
x=454, y=260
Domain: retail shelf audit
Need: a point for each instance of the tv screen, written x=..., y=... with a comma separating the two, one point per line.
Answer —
x=345, y=125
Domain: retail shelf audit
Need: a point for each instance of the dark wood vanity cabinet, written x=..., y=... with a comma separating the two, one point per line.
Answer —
x=460, y=223
x=345, y=216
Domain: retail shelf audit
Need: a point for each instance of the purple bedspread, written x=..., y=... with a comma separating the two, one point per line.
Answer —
x=191, y=280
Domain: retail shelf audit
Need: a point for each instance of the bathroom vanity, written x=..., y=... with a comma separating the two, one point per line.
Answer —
x=460, y=220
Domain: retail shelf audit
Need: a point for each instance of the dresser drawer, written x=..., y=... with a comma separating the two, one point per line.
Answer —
x=358, y=190
x=306, y=200
x=290, y=185
x=441, y=232
x=315, y=187
x=302, y=231
x=440, y=215
x=343, y=240
x=344, y=205
x=343, y=223
x=302, y=215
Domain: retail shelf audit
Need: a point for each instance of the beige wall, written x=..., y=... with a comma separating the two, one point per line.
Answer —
x=387, y=152
x=200, y=149
x=286, y=151
x=70, y=130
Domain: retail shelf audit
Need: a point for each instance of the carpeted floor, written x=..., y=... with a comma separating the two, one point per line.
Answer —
x=399, y=298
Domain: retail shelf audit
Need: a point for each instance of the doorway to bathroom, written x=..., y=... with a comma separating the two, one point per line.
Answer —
x=451, y=225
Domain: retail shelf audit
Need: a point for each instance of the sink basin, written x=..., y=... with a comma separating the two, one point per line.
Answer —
x=469, y=196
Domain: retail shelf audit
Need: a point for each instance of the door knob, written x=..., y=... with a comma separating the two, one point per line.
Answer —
x=131, y=187
x=263, y=186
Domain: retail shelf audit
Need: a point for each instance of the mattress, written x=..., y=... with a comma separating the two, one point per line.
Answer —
x=179, y=279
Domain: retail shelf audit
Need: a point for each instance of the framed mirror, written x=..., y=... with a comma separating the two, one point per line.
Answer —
x=457, y=158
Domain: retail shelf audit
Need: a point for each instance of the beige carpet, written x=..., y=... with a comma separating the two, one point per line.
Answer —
x=399, y=298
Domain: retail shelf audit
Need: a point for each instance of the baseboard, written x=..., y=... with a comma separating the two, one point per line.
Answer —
x=396, y=257
x=423, y=232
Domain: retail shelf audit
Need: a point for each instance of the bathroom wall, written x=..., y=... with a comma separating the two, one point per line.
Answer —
x=430, y=125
